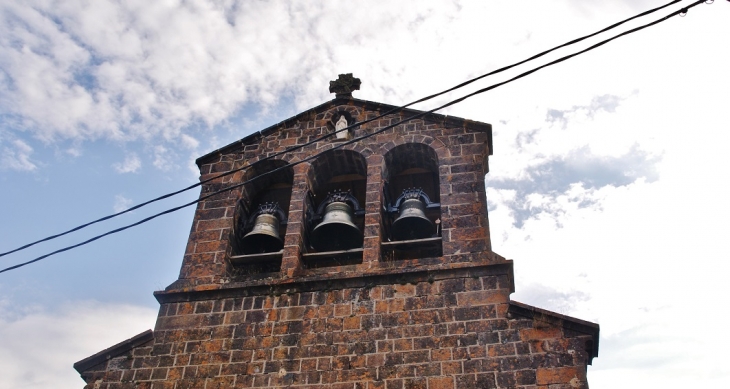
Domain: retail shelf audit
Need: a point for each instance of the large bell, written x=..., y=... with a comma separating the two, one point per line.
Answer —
x=412, y=222
x=264, y=237
x=336, y=231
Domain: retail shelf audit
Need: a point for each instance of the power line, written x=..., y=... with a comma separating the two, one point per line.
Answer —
x=296, y=147
x=682, y=11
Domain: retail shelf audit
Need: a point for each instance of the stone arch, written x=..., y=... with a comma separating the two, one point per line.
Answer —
x=332, y=163
x=270, y=183
x=418, y=157
x=334, y=171
x=353, y=112
x=410, y=173
x=434, y=143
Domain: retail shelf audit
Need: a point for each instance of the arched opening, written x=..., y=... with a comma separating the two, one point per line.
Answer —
x=334, y=209
x=260, y=219
x=412, y=212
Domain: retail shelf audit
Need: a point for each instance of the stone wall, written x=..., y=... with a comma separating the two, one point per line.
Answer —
x=432, y=330
x=461, y=146
x=439, y=319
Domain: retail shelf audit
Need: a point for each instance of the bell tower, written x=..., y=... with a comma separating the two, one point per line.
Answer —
x=348, y=256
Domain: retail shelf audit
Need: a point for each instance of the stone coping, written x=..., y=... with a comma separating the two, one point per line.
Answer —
x=370, y=105
x=113, y=351
x=564, y=321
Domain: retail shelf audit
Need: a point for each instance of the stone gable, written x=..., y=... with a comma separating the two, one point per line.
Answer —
x=389, y=310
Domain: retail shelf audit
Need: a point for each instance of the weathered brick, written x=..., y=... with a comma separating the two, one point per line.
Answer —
x=436, y=317
x=540, y=333
x=561, y=375
x=484, y=297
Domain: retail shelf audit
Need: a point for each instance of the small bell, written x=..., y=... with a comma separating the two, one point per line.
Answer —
x=336, y=231
x=412, y=222
x=264, y=237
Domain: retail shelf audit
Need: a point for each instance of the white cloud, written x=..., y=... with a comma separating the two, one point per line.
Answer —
x=74, y=151
x=164, y=158
x=638, y=249
x=653, y=350
x=16, y=156
x=121, y=203
x=39, y=346
x=131, y=164
x=637, y=260
x=140, y=70
x=547, y=297
x=189, y=142
x=554, y=162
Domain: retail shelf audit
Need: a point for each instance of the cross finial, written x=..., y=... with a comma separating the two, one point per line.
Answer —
x=344, y=85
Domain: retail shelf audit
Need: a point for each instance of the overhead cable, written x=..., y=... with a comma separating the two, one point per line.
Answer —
x=354, y=125
x=340, y=145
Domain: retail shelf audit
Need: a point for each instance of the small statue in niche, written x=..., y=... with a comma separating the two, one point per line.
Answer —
x=341, y=123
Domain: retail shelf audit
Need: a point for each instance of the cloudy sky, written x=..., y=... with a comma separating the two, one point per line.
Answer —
x=607, y=184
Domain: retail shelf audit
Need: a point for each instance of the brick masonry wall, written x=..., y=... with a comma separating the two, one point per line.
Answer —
x=432, y=330
x=431, y=322
x=462, y=153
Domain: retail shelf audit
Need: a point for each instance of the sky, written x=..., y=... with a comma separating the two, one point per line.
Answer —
x=606, y=187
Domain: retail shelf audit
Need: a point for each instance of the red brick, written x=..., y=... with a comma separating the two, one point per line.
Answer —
x=449, y=368
x=483, y=297
x=540, y=333
x=407, y=290
x=560, y=375
x=385, y=318
x=440, y=383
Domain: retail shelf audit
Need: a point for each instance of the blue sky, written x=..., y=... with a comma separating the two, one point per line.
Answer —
x=607, y=185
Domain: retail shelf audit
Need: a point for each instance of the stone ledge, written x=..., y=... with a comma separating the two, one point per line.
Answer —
x=354, y=280
x=113, y=351
x=469, y=259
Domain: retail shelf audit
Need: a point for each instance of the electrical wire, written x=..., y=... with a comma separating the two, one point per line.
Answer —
x=354, y=125
x=340, y=145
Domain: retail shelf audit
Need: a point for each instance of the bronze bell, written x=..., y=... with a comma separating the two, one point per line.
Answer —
x=412, y=222
x=264, y=237
x=336, y=231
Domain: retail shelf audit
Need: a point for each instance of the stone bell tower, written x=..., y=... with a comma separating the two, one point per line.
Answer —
x=348, y=257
